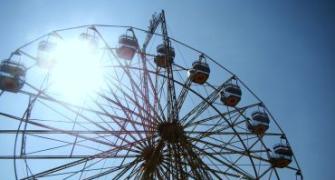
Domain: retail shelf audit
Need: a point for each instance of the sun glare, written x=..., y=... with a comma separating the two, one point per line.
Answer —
x=78, y=73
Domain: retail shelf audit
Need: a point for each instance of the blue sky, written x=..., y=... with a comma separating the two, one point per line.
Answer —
x=284, y=50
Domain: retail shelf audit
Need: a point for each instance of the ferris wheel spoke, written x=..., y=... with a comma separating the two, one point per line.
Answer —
x=76, y=135
x=239, y=150
x=170, y=170
x=221, y=132
x=74, y=144
x=238, y=111
x=215, y=172
x=50, y=99
x=146, y=86
x=135, y=94
x=270, y=174
x=147, y=120
x=258, y=139
x=183, y=161
x=197, y=166
x=125, y=131
x=138, y=174
x=109, y=153
x=155, y=117
x=119, y=118
x=51, y=171
x=129, y=110
x=165, y=171
x=210, y=146
x=228, y=164
x=232, y=164
x=264, y=172
x=224, y=144
x=118, y=103
x=276, y=173
x=62, y=157
x=176, y=159
x=203, y=121
x=119, y=136
x=122, y=127
x=235, y=115
x=85, y=168
x=160, y=89
x=75, y=122
x=127, y=114
x=204, y=100
x=245, y=152
x=69, y=143
x=159, y=175
x=235, y=164
x=56, y=129
x=135, y=85
x=212, y=130
x=228, y=167
x=66, y=143
x=135, y=101
x=97, y=114
x=28, y=55
x=134, y=172
x=190, y=160
x=81, y=171
x=125, y=168
x=204, y=104
x=51, y=131
x=227, y=144
x=226, y=174
x=80, y=115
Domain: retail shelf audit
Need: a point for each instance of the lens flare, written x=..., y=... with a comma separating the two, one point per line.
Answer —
x=78, y=73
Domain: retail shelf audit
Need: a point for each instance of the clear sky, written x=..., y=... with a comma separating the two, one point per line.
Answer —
x=284, y=50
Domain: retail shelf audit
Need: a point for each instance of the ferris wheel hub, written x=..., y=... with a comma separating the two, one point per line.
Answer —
x=152, y=158
x=171, y=132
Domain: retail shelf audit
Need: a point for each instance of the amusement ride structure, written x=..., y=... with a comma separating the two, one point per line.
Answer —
x=164, y=110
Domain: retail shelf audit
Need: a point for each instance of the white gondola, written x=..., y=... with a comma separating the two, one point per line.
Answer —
x=90, y=38
x=12, y=76
x=45, y=54
x=128, y=46
x=199, y=72
x=165, y=56
x=259, y=122
x=231, y=94
x=281, y=156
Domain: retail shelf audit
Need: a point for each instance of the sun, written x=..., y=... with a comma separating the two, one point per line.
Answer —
x=78, y=73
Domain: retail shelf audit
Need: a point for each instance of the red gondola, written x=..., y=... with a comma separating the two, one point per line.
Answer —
x=199, y=72
x=12, y=76
x=128, y=46
x=259, y=122
x=165, y=56
x=231, y=94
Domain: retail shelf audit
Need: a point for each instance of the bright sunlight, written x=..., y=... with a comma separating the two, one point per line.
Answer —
x=78, y=73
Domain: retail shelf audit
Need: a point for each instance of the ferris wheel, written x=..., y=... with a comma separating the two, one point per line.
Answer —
x=120, y=102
